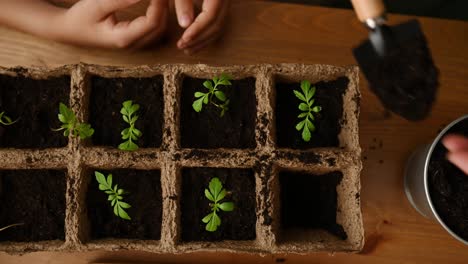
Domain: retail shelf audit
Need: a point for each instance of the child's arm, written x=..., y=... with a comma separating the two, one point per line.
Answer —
x=88, y=22
x=204, y=28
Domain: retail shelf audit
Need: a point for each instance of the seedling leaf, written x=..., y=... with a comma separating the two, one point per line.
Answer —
x=100, y=178
x=71, y=125
x=307, y=107
x=10, y=226
x=306, y=134
x=227, y=206
x=209, y=195
x=116, y=208
x=299, y=96
x=130, y=133
x=305, y=86
x=215, y=187
x=214, y=96
x=311, y=92
x=316, y=109
x=303, y=107
x=212, y=225
x=300, y=125
x=124, y=205
x=199, y=94
x=109, y=180
x=310, y=126
x=123, y=214
x=220, y=95
x=216, y=220
x=6, y=120
x=207, y=218
x=208, y=85
x=114, y=195
x=198, y=104
x=215, y=193
x=221, y=195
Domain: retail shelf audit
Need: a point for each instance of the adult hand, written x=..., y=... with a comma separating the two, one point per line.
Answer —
x=458, y=151
x=93, y=23
x=205, y=27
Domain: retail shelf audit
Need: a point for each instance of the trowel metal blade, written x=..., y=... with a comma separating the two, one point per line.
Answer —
x=403, y=75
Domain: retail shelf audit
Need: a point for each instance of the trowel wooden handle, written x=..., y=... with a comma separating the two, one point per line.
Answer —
x=368, y=9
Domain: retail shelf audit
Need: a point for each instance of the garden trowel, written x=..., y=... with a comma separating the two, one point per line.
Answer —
x=397, y=62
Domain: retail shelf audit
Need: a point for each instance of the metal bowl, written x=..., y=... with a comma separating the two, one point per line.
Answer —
x=416, y=183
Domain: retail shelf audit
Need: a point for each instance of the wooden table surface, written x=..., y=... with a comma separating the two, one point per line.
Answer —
x=272, y=33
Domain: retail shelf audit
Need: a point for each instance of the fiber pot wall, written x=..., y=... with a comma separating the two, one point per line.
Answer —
x=79, y=158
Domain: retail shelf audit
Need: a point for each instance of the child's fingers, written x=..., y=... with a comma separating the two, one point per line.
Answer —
x=208, y=34
x=153, y=36
x=185, y=12
x=147, y=40
x=196, y=48
x=455, y=143
x=460, y=159
x=206, y=37
x=103, y=8
x=126, y=33
x=209, y=14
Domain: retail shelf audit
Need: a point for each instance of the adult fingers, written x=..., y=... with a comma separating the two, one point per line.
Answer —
x=460, y=159
x=127, y=32
x=455, y=143
x=209, y=14
x=185, y=12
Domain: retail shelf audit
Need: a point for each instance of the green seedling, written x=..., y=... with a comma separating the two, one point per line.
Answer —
x=5, y=120
x=215, y=193
x=213, y=93
x=115, y=195
x=131, y=133
x=71, y=125
x=9, y=226
x=308, y=110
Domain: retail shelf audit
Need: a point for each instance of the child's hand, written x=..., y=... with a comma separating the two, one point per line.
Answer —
x=93, y=23
x=458, y=151
x=204, y=28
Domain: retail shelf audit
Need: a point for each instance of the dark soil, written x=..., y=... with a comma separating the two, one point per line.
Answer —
x=35, y=198
x=448, y=187
x=236, y=225
x=236, y=129
x=36, y=104
x=107, y=96
x=406, y=80
x=144, y=196
x=328, y=95
x=309, y=201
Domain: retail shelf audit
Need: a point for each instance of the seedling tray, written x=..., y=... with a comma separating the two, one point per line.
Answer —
x=292, y=197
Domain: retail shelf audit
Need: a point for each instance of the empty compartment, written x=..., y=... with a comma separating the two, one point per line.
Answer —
x=107, y=96
x=238, y=224
x=309, y=206
x=34, y=105
x=327, y=122
x=36, y=200
x=207, y=129
x=142, y=191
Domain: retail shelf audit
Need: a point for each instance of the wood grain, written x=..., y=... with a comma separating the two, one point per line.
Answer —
x=270, y=32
